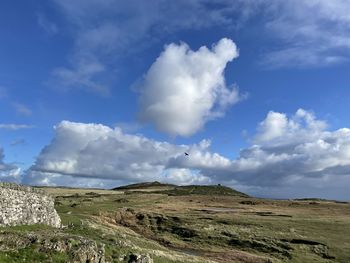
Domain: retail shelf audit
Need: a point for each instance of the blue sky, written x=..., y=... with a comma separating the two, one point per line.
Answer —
x=256, y=91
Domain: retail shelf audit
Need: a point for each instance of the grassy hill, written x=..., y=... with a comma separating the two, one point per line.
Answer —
x=203, y=190
x=145, y=185
x=171, y=189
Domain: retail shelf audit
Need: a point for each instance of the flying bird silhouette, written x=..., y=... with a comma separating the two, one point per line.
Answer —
x=186, y=154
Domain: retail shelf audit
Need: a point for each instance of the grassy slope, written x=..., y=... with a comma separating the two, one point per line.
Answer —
x=221, y=228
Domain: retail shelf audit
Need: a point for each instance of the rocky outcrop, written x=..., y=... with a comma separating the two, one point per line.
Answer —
x=137, y=258
x=76, y=249
x=24, y=205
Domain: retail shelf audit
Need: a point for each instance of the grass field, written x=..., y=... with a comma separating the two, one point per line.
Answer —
x=199, y=226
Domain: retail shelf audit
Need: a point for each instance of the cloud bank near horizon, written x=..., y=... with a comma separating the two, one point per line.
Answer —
x=95, y=151
x=290, y=156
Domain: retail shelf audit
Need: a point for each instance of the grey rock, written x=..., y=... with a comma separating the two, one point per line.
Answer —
x=137, y=258
x=79, y=249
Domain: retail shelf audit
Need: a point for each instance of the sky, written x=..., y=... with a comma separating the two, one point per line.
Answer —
x=99, y=93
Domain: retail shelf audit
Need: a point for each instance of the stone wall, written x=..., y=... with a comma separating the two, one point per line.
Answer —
x=24, y=205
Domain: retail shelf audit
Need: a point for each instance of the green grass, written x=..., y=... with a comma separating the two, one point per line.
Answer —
x=30, y=254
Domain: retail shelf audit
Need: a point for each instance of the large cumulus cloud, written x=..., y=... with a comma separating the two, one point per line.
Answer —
x=183, y=89
x=296, y=156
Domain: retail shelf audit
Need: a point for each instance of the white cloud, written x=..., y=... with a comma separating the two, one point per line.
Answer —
x=22, y=109
x=313, y=33
x=184, y=176
x=55, y=179
x=301, y=158
x=302, y=139
x=200, y=157
x=82, y=76
x=273, y=126
x=8, y=172
x=11, y=126
x=49, y=27
x=18, y=142
x=278, y=129
x=183, y=89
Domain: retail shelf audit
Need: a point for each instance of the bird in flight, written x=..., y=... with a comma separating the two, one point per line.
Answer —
x=186, y=154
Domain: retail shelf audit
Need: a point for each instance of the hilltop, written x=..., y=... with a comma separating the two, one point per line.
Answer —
x=175, y=190
x=203, y=190
x=144, y=185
